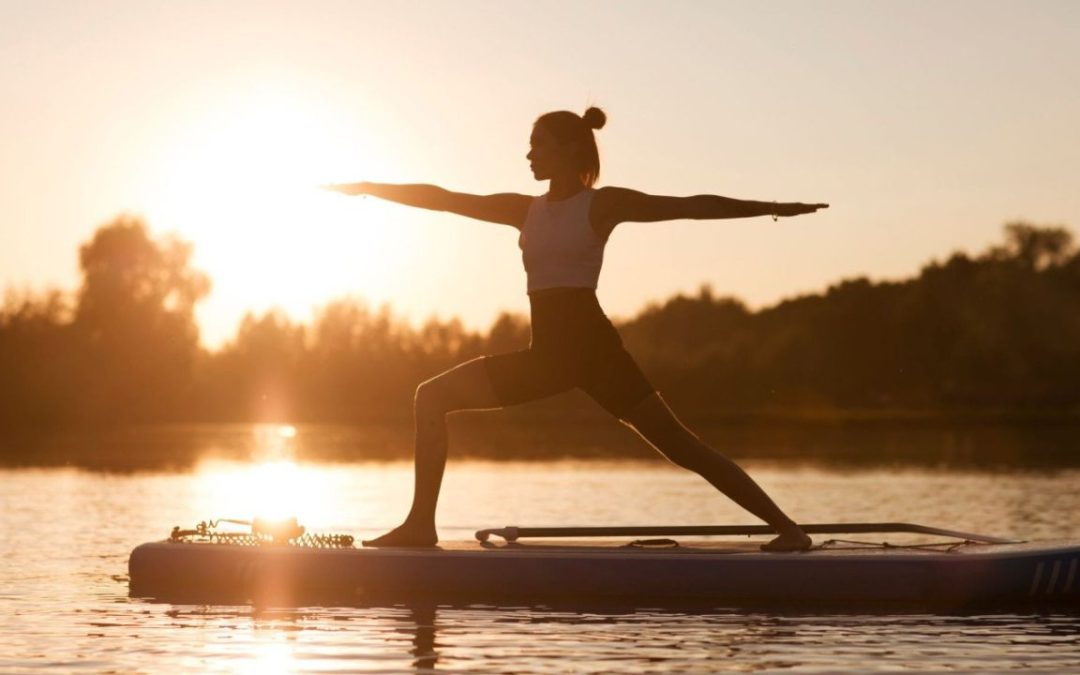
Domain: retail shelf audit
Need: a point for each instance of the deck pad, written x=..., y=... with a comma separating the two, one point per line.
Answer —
x=822, y=547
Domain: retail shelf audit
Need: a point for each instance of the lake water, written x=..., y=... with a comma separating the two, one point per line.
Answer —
x=66, y=534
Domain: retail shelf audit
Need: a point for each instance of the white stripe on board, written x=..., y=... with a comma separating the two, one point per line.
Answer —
x=1071, y=578
x=1053, y=578
x=1035, y=581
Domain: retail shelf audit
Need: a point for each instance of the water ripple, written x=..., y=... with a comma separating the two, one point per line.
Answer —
x=64, y=605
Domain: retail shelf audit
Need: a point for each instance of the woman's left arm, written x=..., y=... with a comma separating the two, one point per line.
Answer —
x=621, y=205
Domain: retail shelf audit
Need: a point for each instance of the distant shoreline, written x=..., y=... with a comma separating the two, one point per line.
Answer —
x=561, y=413
x=986, y=341
x=984, y=441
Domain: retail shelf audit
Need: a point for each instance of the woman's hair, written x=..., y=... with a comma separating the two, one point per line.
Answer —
x=566, y=127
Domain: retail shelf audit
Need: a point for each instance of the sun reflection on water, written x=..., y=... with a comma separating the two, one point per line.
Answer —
x=274, y=441
x=269, y=658
x=273, y=486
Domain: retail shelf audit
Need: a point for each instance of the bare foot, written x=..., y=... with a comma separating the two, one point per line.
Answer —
x=405, y=535
x=789, y=541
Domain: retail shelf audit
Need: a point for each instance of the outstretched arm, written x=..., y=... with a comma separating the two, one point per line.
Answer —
x=506, y=208
x=622, y=205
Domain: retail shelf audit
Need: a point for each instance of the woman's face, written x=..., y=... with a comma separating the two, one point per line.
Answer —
x=547, y=156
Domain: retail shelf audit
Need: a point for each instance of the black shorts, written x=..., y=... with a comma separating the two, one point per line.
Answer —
x=573, y=345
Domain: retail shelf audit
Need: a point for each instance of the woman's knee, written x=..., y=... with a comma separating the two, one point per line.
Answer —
x=464, y=387
x=430, y=400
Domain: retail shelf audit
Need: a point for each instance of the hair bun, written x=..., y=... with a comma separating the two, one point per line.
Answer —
x=594, y=118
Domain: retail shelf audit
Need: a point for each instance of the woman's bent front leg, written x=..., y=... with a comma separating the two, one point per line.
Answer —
x=464, y=387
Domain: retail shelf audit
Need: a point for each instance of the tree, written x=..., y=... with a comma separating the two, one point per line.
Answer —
x=1036, y=248
x=134, y=323
x=258, y=374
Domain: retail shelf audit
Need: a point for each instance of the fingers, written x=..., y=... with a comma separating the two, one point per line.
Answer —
x=343, y=188
x=798, y=208
x=336, y=187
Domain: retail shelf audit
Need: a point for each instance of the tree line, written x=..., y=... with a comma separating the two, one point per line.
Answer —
x=994, y=332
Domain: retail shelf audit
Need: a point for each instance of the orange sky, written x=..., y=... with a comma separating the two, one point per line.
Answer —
x=925, y=125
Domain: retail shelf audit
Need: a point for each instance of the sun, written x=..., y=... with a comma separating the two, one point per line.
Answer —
x=241, y=181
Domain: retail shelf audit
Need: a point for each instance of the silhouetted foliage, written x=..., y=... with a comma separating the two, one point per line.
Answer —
x=35, y=340
x=135, y=341
x=998, y=332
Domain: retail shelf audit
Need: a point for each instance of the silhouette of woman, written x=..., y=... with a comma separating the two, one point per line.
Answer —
x=562, y=237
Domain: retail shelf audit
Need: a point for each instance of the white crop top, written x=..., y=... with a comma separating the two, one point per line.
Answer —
x=558, y=245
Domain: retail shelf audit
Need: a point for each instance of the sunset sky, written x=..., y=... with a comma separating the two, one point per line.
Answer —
x=926, y=126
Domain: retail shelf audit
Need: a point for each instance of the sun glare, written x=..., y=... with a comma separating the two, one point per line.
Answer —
x=273, y=489
x=269, y=658
x=273, y=486
x=241, y=182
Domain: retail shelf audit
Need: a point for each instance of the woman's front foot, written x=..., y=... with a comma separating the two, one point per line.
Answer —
x=406, y=535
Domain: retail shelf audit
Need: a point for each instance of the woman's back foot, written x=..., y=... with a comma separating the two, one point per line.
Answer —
x=788, y=542
x=405, y=536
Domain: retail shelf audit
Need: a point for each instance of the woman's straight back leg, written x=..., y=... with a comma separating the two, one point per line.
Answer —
x=654, y=421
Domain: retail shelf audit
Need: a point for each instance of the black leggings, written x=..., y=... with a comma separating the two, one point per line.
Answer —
x=573, y=345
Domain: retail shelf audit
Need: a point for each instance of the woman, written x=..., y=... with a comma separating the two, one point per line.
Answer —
x=573, y=343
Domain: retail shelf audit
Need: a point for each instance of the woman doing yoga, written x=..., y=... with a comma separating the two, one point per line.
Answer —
x=562, y=237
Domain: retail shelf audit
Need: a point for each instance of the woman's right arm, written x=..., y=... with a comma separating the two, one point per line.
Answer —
x=506, y=208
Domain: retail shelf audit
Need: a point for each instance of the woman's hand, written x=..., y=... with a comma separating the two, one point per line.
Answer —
x=504, y=208
x=351, y=189
x=785, y=209
x=620, y=205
